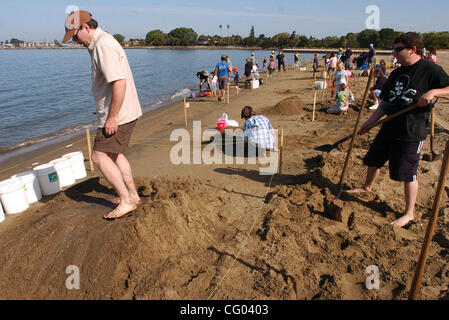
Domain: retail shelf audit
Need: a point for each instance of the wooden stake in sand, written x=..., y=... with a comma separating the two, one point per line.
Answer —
x=89, y=151
x=430, y=226
x=314, y=103
x=281, y=147
x=227, y=92
x=185, y=112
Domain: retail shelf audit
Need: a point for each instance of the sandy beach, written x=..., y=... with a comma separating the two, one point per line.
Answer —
x=223, y=231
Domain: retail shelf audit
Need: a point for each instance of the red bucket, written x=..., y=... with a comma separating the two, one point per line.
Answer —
x=221, y=124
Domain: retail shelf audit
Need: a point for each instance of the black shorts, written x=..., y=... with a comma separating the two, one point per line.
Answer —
x=118, y=142
x=403, y=157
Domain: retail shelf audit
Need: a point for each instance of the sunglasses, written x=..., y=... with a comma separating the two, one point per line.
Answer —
x=399, y=49
x=75, y=36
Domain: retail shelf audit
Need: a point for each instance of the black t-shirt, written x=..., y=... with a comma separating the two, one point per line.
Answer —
x=380, y=83
x=403, y=88
x=248, y=68
x=280, y=57
x=348, y=53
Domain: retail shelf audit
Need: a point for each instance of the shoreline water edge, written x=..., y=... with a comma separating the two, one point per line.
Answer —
x=74, y=138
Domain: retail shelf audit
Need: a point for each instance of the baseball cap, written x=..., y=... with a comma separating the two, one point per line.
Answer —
x=74, y=21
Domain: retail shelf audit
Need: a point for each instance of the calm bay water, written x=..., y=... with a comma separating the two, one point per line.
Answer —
x=47, y=93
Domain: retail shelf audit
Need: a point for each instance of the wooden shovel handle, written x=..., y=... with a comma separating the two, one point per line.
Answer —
x=430, y=226
x=353, y=136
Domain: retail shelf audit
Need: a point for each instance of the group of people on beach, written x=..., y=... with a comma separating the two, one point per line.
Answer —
x=417, y=81
x=216, y=82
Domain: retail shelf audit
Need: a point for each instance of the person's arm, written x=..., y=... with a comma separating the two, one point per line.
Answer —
x=118, y=95
x=427, y=97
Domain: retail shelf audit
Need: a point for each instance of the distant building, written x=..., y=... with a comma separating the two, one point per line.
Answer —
x=203, y=42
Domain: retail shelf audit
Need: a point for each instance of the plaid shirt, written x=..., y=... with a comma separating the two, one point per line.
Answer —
x=257, y=130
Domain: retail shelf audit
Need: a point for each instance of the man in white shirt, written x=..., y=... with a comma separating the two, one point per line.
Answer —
x=118, y=107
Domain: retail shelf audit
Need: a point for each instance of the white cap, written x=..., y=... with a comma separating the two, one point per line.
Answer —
x=371, y=45
x=341, y=81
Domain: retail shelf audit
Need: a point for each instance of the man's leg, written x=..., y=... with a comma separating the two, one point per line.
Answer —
x=113, y=175
x=371, y=176
x=126, y=171
x=411, y=193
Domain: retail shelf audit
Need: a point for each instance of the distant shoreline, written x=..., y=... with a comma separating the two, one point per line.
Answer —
x=286, y=50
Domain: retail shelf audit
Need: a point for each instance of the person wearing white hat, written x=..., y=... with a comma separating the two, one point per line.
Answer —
x=371, y=54
x=344, y=98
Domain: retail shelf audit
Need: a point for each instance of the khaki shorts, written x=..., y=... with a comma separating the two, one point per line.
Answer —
x=118, y=142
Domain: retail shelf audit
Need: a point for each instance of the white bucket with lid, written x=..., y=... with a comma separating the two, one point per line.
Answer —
x=48, y=179
x=63, y=167
x=78, y=167
x=2, y=213
x=30, y=185
x=254, y=84
x=12, y=195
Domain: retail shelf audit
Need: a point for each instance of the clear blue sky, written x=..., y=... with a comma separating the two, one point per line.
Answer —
x=44, y=19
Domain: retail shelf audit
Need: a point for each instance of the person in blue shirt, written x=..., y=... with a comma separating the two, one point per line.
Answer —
x=222, y=70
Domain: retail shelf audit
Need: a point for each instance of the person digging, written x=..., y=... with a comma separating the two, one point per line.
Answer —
x=400, y=140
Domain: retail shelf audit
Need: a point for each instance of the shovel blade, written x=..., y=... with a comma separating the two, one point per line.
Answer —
x=332, y=210
x=431, y=157
x=325, y=148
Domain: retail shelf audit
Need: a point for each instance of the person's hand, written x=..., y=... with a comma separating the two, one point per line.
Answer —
x=426, y=98
x=364, y=127
x=111, y=126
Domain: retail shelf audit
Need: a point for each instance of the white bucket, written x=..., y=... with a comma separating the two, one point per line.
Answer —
x=2, y=213
x=63, y=167
x=30, y=185
x=48, y=179
x=78, y=167
x=12, y=195
x=254, y=84
x=320, y=85
x=302, y=68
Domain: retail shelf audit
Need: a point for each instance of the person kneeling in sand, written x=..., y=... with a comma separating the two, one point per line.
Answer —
x=400, y=140
x=344, y=98
x=258, y=130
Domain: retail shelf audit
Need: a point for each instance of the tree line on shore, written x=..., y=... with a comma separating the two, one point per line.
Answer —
x=382, y=39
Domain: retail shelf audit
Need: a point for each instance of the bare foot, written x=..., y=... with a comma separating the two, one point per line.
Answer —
x=358, y=190
x=402, y=221
x=134, y=200
x=121, y=210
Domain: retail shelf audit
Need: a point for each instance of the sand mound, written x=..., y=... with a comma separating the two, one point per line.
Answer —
x=185, y=237
x=287, y=107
